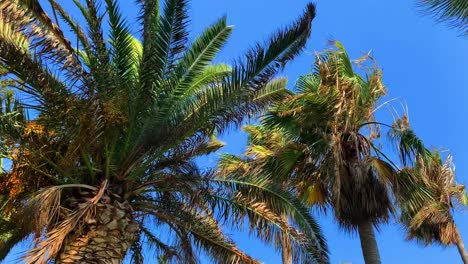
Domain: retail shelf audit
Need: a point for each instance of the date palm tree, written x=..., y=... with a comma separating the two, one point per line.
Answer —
x=429, y=218
x=322, y=144
x=102, y=156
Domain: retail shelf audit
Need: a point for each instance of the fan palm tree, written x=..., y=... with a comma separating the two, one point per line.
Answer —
x=453, y=12
x=104, y=155
x=322, y=145
x=429, y=219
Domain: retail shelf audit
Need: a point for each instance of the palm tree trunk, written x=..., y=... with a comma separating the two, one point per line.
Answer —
x=369, y=247
x=103, y=240
x=286, y=250
x=461, y=247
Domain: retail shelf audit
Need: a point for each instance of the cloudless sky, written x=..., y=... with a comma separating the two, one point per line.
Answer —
x=424, y=64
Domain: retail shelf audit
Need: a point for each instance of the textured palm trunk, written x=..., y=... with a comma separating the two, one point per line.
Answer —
x=286, y=250
x=369, y=247
x=461, y=248
x=103, y=240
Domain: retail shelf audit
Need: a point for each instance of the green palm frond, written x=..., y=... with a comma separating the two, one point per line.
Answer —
x=124, y=47
x=39, y=82
x=194, y=62
x=344, y=63
x=409, y=145
x=213, y=73
x=161, y=51
x=208, y=236
x=281, y=202
x=266, y=224
x=452, y=12
x=173, y=32
x=94, y=19
x=46, y=39
x=10, y=35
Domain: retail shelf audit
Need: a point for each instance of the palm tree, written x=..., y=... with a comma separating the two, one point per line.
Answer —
x=452, y=12
x=104, y=155
x=428, y=218
x=322, y=145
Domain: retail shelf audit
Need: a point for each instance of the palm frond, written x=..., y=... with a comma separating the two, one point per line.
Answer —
x=452, y=12
x=74, y=25
x=161, y=249
x=124, y=56
x=173, y=30
x=282, y=202
x=208, y=236
x=170, y=39
x=409, y=145
x=150, y=16
x=267, y=225
x=42, y=16
x=137, y=253
x=94, y=21
x=194, y=62
x=34, y=78
x=46, y=38
x=46, y=207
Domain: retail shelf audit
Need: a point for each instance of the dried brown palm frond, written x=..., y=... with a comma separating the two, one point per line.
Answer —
x=46, y=209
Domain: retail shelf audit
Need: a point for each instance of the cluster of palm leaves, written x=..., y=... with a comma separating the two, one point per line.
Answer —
x=102, y=138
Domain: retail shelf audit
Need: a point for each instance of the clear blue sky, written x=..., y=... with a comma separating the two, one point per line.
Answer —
x=425, y=64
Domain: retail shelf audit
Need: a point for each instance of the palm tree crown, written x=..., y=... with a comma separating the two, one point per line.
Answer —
x=429, y=202
x=116, y=124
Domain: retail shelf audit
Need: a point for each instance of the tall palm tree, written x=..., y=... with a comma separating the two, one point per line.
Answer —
x=104, y=155
x=429, y=218
x=322, y=145
x=452, y=12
